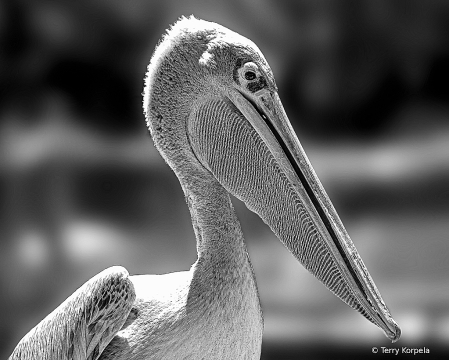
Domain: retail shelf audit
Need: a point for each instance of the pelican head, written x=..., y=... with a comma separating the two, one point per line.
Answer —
x=213, y=110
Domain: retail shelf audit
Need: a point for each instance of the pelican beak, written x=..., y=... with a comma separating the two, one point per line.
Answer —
x=323, y=246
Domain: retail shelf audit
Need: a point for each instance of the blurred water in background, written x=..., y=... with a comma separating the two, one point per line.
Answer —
x=365, y=84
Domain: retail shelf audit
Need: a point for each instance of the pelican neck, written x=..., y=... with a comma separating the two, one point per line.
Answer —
x=218, y=232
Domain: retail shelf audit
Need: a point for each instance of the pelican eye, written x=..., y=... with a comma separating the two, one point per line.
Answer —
x=250, y=75
x=249, y=71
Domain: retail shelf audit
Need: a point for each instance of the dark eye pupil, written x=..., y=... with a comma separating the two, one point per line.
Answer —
x=249, y=75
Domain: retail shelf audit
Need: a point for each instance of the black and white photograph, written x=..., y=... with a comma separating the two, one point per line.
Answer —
x=229, y=180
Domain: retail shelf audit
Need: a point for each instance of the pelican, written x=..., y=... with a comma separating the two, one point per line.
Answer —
x=213, y=111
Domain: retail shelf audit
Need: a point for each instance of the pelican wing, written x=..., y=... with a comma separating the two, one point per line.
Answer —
x=84, y=324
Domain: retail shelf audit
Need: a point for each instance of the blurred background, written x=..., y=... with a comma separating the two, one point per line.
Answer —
x=365, y=84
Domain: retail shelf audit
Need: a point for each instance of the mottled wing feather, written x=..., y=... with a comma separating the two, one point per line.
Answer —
x=83, y=325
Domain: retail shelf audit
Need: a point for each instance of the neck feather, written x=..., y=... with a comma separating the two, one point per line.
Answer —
x=217, y=229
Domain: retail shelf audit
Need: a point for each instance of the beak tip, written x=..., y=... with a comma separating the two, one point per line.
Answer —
x=395, y=333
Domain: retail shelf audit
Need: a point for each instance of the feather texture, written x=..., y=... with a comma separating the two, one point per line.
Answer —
x=82, y=326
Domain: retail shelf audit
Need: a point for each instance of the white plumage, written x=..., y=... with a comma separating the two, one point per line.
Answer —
x=213, y=111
